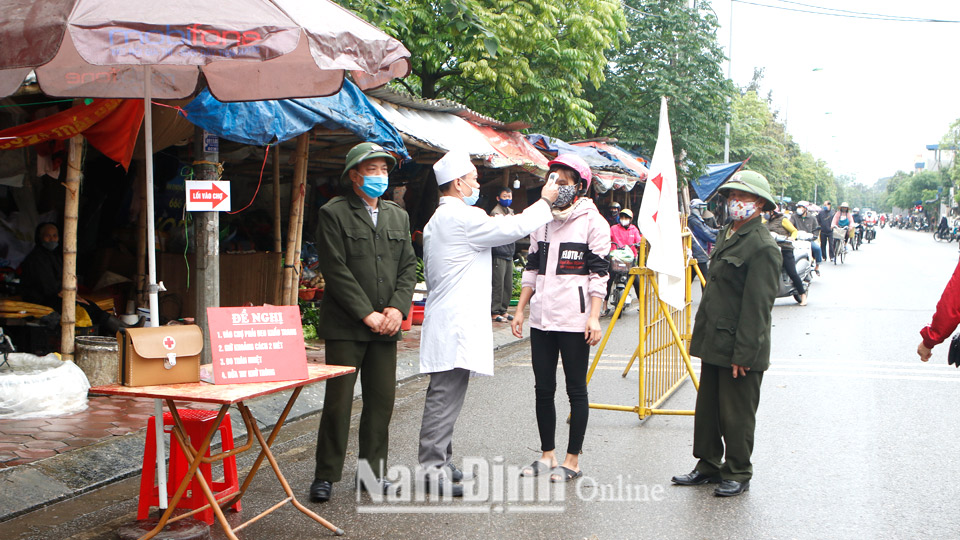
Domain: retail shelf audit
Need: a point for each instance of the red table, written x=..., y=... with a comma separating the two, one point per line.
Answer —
x=226, y=395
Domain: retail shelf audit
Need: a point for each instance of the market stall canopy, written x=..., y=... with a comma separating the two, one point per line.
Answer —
x=514, y=146
x=609, y=173
x=617, y=154
x=441, y=132
x=249, y=49
x=261, y=123
x=717, y=174
x=110, y=125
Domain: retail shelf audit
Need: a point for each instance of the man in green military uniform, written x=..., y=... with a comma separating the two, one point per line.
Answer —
x=369, y=267
x=731, y=335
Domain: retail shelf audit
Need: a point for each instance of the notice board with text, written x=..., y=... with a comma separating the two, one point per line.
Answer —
x=256, y=344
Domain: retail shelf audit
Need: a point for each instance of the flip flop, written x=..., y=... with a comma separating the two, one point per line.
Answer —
x=499, y=318
x=562, y=474
x=535, y=469
x=509, y=317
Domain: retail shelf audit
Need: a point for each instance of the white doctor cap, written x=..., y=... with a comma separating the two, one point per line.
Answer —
x=454, y=164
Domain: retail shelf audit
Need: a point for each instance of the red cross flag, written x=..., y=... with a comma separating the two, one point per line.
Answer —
x=659, y=217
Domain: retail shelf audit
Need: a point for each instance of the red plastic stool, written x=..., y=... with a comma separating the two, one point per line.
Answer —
x=197, y=424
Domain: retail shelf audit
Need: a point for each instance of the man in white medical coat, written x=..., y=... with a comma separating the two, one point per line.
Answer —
x=457, y=335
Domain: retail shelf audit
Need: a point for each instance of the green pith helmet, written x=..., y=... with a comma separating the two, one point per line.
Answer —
x=363, y=152
x=752, y=182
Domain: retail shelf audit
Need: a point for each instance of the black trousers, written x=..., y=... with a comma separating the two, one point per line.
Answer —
x=702, y=265
x=790, y=267
x=826, y=243
x=545, y=348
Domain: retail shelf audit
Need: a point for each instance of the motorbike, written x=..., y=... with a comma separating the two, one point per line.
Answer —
x=941, y=234
x=857, y=236
x=883, y=223
x=870, y=232
x=621, y=260
x=804, y=258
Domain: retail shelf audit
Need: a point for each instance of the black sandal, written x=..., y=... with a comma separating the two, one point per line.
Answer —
x=499, y=318
x=535, y=469
x=562, y=474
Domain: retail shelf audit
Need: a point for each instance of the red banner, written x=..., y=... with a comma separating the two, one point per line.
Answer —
x=110, y=125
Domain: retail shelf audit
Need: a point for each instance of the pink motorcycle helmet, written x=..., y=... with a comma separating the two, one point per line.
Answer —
x=576, y=163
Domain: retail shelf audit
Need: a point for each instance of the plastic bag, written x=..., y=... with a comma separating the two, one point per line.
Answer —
x=623, y=254
x=41, y=386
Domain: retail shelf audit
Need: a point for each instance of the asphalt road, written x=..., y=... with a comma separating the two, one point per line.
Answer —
x=855, y=438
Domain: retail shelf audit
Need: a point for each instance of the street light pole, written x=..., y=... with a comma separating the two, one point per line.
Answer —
x=726, y=139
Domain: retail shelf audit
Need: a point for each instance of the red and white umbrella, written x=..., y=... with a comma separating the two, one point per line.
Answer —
x=247, y=50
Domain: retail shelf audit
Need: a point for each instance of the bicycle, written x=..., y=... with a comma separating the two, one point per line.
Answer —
x=838, y=246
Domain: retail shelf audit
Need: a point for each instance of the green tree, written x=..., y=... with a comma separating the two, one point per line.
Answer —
x=528, y=60
x=757, y=135
x=753, y=136
x=668, y=49
x=924, y=187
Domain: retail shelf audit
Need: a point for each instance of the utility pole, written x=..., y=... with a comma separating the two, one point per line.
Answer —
x=207, y=235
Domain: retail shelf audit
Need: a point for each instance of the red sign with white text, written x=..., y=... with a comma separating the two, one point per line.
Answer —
x=256, y=344
x=208, y=196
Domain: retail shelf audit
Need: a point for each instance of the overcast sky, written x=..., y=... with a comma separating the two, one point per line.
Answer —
x=881, y=91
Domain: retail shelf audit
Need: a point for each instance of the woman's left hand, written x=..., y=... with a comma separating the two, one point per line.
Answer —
x=593, y=333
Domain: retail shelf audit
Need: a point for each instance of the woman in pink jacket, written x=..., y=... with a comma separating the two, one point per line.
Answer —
x=565, y=282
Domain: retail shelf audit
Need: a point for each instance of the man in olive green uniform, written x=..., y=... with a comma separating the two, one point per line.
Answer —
x=731, y=335
x=369, y=267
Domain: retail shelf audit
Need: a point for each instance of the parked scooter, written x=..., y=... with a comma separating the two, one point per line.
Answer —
x=804, y=257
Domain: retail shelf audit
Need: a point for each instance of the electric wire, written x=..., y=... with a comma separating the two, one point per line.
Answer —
x=848, y=15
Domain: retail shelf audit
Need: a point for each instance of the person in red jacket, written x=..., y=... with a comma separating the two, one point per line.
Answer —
x=624, y=234
x=945, y=320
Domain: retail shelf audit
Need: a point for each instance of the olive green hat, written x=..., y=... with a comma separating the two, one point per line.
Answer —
x=752, y=182
x=363, y=152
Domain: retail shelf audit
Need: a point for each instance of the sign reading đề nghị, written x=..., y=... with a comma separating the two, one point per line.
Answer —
x=256, y=344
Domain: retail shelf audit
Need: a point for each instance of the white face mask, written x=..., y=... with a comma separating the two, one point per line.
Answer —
x=741, y=210
x=625, y=222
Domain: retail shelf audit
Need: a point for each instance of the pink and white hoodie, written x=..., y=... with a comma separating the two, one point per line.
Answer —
x=566, y=266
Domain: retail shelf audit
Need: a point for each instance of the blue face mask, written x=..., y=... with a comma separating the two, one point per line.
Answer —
x=506, y=202
x=473, y=198
x=374, y=186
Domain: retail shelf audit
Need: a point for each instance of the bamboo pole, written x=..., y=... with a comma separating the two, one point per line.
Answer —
x=277, y=223
x=296, y=193
x=298, y=245
x=68, y=313
x=277, y=226
x=142, y=235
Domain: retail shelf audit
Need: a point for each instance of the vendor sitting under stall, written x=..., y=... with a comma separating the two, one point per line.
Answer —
x=42, y=279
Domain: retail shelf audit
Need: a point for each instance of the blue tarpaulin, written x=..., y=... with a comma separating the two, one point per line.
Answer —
x=717, y=174
x=594, y=158
x=260, y=123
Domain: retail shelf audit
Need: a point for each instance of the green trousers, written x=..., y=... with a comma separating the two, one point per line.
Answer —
x=376, y=363
x=726, y=417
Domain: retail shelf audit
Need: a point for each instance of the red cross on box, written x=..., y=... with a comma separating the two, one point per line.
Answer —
x=169, y=343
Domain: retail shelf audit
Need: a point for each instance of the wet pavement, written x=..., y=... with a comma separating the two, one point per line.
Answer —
x=855, y=438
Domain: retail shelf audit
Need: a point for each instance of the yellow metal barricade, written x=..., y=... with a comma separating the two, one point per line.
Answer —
x=663, y=344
